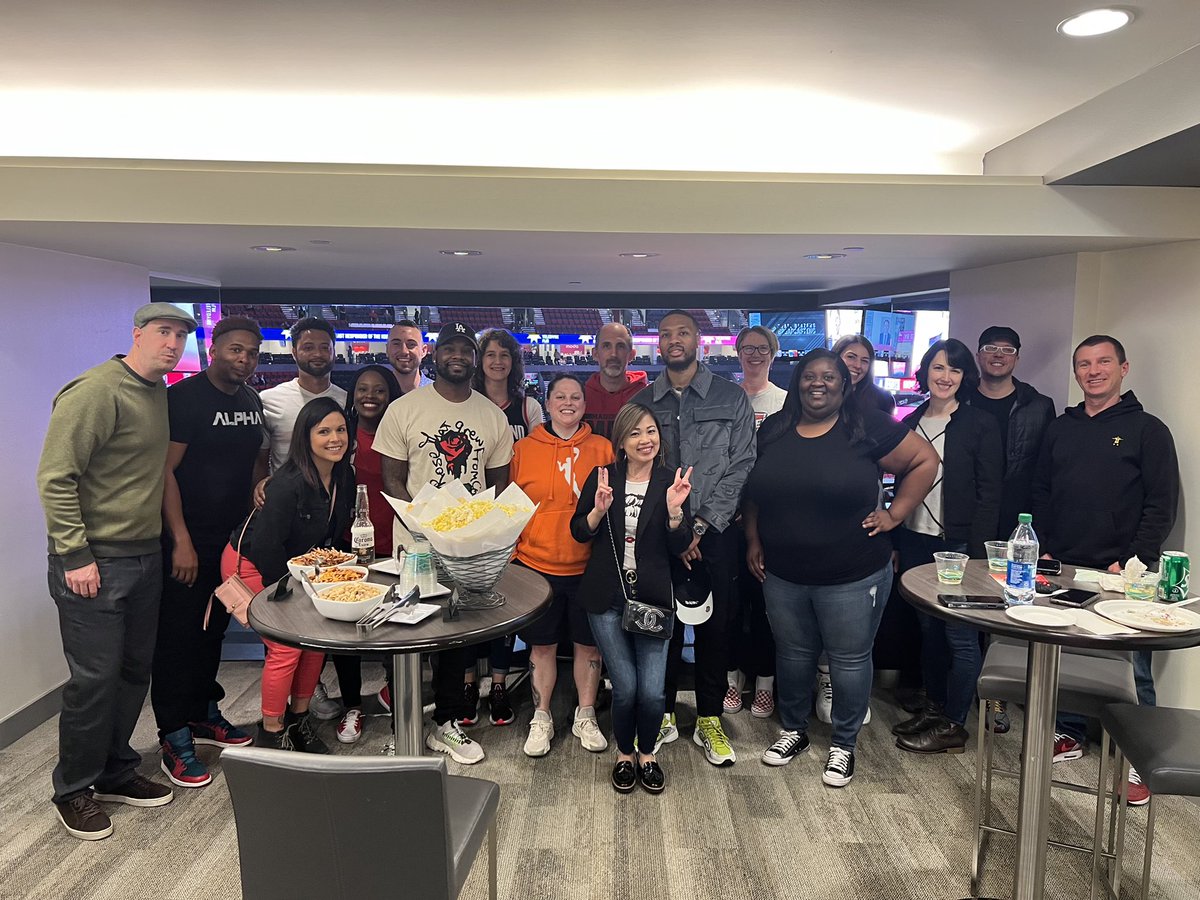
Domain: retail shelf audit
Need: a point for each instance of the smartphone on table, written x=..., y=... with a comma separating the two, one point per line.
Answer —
x=1075, y=597
x=971, y=601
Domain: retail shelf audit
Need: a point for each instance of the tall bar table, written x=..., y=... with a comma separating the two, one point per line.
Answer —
x=295, y=622
x=920, y=587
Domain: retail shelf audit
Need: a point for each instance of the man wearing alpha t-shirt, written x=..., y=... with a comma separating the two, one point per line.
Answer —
x=434, y=435
x=213, y=461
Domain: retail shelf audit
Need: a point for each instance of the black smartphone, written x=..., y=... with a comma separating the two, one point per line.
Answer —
x=1049, y=567
x=282, y=589
x=971, y=601
x=1074, y=597
x=1044, y=585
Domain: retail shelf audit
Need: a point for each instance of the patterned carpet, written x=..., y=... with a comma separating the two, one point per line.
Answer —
x=900, y=831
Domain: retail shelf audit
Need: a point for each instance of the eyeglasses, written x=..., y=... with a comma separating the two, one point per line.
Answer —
x=755, y=351
x=996, y=348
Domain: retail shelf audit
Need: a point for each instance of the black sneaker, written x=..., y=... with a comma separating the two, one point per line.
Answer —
x=137, y=791
x=840, y=767
x=470, y=704
x=499, y=706
x=304, y=736
x=788, y=745
x=84, y=819
x=652, y=778
x=274, y=740
x=624, y=776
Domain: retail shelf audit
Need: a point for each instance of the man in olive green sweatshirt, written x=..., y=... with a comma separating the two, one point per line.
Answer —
x=101, y=484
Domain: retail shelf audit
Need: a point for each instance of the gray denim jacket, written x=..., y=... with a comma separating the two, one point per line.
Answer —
x=711, y=427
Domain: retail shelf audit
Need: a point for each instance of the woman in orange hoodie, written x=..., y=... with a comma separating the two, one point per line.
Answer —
x=550, y=465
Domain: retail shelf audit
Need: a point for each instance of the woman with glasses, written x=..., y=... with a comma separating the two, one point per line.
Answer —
x=958, y=515
x=858, y=354
x=818, y=541
x=751, y=642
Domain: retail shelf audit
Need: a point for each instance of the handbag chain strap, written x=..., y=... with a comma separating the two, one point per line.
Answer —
x=628, y=577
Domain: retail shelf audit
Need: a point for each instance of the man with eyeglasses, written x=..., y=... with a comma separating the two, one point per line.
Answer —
x=1022, y=413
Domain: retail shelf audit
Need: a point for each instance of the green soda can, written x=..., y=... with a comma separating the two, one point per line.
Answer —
x=1174, y=569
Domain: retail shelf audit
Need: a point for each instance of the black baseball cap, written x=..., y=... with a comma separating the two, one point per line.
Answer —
x=1000, y=333
x=458, y=330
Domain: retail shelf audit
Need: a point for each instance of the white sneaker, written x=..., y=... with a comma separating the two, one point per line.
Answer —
x=541, y=730
x=587, y=729
x=349, y=730
x=824, y=697
x=451, y=740
x=867, y=717
x=322, y=705
x=667, y=733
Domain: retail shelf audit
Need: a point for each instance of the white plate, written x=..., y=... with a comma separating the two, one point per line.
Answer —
x=390, y=566
x=1148, y=616
x=411, y=615
x=1039, y=615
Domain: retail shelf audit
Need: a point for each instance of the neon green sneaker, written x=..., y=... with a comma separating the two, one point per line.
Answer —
x=667, y=733
x=711, y=737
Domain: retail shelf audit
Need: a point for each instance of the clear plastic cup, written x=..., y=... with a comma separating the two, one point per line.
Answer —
x=997, y=554
x=1144, y=587
x=950, y=567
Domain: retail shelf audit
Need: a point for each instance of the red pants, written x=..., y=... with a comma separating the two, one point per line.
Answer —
x=287, y=671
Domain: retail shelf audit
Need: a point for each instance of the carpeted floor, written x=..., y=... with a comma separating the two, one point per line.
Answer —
x=899, y=831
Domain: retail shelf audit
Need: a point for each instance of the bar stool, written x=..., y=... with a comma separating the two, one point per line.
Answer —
x=1163, y=744
x=1088, y=682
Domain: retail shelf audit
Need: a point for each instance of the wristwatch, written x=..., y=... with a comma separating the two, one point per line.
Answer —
x=699, y=527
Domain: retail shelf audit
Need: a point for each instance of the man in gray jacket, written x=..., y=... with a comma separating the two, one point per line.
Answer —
x=707, y=423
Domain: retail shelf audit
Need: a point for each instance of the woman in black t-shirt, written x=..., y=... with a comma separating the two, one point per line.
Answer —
x=817, y=539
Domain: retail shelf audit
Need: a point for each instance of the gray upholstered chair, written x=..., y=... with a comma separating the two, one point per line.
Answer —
x=1088, y=681
x=357, y=826
x=1163, y=744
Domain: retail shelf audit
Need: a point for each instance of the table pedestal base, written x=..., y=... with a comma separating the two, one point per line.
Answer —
x=1037, y=757
x=408, y=719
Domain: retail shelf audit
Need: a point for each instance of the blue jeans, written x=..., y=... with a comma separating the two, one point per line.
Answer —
x=951, y=655
x=841, y=620
x=637, y=666
x=1075, y=726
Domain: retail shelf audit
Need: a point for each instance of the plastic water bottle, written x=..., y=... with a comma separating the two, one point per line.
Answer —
x=1022, y=563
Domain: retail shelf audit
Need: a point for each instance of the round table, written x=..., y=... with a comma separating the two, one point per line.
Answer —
x=295, y=622
x=920, y=587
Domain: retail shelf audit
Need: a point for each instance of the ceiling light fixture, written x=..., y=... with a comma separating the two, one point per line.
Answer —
x=825, y=256
x=271, y=248
x=854, y=249
x=638, y=255
x=320, y=242
x=1095, y=21
x=461, y=252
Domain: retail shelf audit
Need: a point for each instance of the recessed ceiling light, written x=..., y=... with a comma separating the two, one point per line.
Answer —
x=461, y=252
x=638, y=255
x=1095, y=21
x=574, y=282
x=320, y=242
x=270, y=248
x=825, y=256
x=854, y=249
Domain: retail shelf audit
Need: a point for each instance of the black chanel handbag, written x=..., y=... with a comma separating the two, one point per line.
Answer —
x=637, y=617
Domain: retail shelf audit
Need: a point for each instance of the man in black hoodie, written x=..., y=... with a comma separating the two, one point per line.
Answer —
x=1106, y=489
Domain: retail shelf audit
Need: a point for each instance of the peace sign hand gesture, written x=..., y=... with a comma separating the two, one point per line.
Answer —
x=604, y=494
x=678, y=492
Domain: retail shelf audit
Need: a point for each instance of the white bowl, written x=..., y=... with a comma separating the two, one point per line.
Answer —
x=295, y=569
x=360, y=570
x=347, y=612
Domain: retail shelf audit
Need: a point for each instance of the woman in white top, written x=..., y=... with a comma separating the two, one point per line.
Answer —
x=958, y=514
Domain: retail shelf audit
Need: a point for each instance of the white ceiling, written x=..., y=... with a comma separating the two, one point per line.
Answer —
x=664, y=90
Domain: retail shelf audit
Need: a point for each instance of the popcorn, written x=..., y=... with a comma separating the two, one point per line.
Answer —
x=466, y=512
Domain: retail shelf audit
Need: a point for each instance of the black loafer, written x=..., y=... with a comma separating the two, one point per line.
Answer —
x=624, y=776
x=945, y=737
x=922, y=721
x=652, y=778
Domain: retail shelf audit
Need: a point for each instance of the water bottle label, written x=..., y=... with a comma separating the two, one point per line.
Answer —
x=1020, y=575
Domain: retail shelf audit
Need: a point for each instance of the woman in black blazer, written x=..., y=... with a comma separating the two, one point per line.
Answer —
x=634, y=514
x=958, y=515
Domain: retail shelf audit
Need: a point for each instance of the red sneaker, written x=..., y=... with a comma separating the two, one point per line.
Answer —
x=1066, y=748
x=385, y=698
x=219, y=732
x=349, y=730
x=1139, y=794
x=182, y=767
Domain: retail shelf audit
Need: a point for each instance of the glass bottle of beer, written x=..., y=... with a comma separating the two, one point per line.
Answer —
x=362, y=532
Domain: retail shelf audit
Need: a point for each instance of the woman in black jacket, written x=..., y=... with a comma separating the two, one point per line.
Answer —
x=958, y=515
x=858, y=354
x=308, y=505
x=634, y=514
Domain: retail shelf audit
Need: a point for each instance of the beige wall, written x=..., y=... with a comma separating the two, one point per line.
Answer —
x=62, y=314
x=1141, y=296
